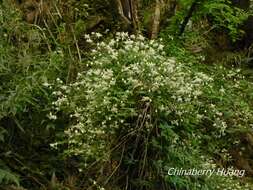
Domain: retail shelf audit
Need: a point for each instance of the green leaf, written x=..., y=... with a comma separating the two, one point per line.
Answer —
x=7, y=177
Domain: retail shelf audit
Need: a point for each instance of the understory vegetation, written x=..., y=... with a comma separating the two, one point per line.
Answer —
x=91, y=98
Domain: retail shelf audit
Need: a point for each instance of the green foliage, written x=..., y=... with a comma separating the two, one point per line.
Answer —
x=26, y=63
x=129, y=91
x=133, y=72
x=125, y=94
x=7, y=177
x=131, y=111
x=221, y=14
x=225, y=16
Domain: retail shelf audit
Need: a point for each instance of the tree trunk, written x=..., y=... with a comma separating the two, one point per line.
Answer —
x=156, y=20
x=134, y=12
x=128, y=11
x=124, y=11
x=188, y=16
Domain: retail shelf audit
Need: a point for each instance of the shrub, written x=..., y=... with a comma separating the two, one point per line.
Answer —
x=126, y=78
x=136, y=108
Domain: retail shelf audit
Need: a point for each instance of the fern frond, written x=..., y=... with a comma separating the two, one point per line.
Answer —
x=6, y=177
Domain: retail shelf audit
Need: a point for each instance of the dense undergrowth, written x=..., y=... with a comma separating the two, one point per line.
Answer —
x=117, y=111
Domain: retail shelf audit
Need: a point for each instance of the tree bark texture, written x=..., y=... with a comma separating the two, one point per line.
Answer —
x=188, y=16
x=156, y=19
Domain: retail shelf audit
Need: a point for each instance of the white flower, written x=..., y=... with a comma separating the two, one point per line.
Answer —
x=222, y=90
x=51, y=116
x=57, y=93
x=141, y=38
x=87, y=36
x=59, y=81
x=197, y=80
x=98, y=35
x=64, y=87
x=132, y=36
x=46, y=84
x=160, y=47
x=112, y=42
x=89, y=40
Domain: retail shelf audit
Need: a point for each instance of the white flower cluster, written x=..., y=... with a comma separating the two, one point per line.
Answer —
x=128, y=80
